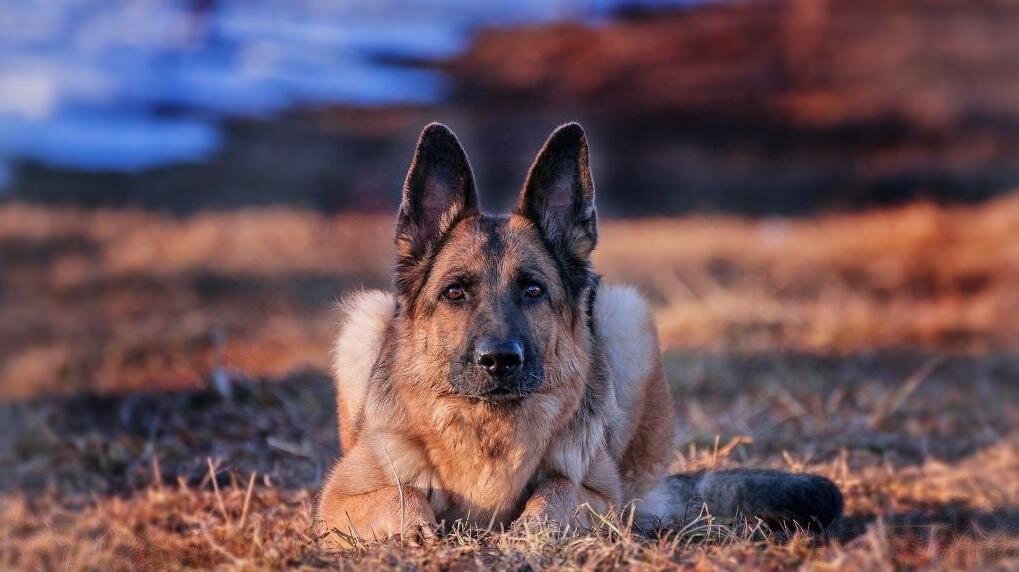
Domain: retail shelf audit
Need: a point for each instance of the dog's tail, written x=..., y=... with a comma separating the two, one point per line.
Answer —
x=778, y=498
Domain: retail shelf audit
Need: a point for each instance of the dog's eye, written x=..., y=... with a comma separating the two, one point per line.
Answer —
x=534, y=291
x=453, y=292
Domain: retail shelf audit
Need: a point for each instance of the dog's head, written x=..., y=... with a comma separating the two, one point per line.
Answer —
x=495, y=308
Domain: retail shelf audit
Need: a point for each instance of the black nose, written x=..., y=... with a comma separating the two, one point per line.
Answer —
x=499, y=359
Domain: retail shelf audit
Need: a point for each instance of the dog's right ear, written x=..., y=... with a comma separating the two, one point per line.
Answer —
x=438, y=192
x=558, y=194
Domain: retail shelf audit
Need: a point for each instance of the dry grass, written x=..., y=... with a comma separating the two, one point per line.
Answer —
x=125, y=481
x=114, y=300
x=137, y=349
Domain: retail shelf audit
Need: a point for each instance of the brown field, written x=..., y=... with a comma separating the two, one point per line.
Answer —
x=165, y=402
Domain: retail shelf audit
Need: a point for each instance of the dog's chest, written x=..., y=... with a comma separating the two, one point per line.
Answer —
x=481, y=475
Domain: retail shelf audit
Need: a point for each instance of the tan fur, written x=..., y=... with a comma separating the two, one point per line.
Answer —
x=474, y=463
x=501, y=384
x=582, y=415
x=365, y=317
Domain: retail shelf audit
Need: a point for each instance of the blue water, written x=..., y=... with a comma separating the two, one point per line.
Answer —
x=131, y=84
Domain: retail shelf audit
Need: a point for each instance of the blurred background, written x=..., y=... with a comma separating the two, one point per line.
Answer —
x=817, y=196
x=767, y=108
x=180, y=175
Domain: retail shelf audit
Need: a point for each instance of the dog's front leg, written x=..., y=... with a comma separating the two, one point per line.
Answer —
x=559, y=502
x=553, y=502
x=379, y=514
x=362, y=498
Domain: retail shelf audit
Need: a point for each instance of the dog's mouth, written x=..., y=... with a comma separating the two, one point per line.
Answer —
x=498, y=395
x=502, y=393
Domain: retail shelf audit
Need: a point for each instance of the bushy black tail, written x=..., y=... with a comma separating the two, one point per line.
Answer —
x=778, y=498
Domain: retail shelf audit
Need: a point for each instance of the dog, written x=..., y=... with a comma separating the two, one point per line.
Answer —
x=501, y=384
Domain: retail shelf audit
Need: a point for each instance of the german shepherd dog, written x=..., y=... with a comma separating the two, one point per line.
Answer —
x=500, y=383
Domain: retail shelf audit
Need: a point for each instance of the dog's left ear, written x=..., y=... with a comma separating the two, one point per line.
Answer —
x=558, y=195
x=439, y=191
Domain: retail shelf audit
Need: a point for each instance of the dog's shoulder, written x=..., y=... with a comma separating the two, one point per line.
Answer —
x=620, y=306
x=625, y=326
x=365, y=317
x=625, y=329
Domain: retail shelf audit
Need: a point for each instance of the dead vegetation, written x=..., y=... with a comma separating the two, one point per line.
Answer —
x=166, y=407
x=201, y=478
x=111, y=300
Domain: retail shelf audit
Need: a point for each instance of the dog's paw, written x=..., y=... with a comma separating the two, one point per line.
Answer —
x=527, y=525
x=418, y=534
x=412, y=528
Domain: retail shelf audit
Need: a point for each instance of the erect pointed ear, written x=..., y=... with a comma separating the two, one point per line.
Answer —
x=558, y=195
x=438, y=192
